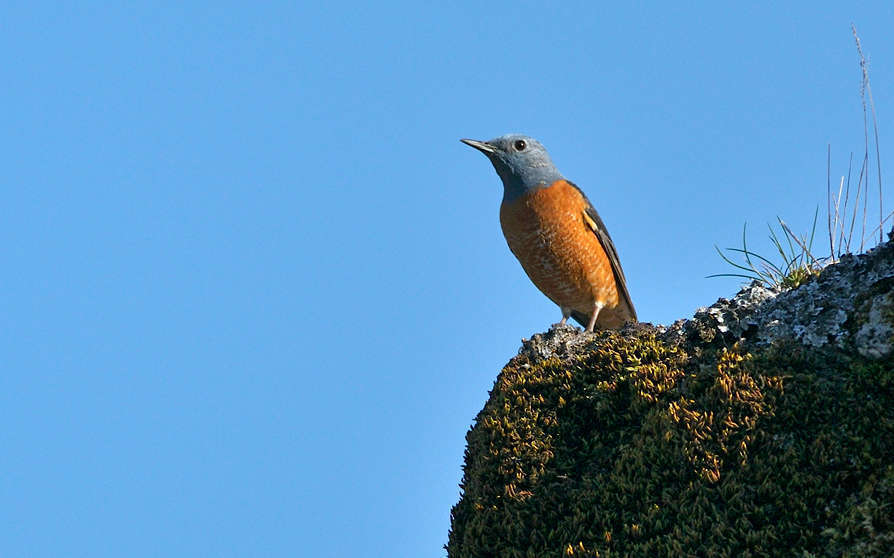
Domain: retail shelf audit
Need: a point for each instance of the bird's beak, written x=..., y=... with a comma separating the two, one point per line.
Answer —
x=481, y=146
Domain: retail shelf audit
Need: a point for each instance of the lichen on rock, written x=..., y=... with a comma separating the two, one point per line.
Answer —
x=829, y=310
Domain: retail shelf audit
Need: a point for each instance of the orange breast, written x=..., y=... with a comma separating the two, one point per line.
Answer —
x=546, y=231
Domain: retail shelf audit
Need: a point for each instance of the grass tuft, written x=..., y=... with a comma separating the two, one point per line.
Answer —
x=798, y=263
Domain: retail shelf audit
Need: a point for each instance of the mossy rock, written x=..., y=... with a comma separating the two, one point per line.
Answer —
x=623, y=444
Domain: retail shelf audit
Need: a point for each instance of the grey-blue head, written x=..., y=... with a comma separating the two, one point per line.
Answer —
x=522, y=163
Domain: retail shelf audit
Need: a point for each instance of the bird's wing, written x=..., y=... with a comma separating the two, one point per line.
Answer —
x=594, y=221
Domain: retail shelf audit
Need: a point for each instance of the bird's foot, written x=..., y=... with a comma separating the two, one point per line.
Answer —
x=561, y=323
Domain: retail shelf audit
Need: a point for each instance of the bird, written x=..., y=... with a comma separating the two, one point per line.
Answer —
x=557, y=235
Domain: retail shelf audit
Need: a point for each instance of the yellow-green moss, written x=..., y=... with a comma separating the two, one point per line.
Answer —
x=636, y=448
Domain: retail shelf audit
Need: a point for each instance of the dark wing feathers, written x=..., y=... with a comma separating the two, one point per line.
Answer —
x=608, y=246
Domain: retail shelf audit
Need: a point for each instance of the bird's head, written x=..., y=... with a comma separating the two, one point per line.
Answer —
x=522, y=163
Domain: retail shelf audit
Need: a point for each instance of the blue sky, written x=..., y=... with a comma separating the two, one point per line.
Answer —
x=254, y=288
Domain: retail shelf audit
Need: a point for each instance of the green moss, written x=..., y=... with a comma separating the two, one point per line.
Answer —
x=636, y=448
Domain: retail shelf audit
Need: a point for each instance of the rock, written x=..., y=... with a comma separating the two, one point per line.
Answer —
x=762, y=426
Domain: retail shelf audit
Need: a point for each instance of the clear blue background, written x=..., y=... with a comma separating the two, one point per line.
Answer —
x=254, y=290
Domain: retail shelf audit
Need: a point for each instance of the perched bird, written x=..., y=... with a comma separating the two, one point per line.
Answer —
x=557, y=235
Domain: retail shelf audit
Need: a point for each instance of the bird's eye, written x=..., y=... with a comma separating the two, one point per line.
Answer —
x=520, y=145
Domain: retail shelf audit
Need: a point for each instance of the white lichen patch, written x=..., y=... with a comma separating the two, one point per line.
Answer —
x=875, y=338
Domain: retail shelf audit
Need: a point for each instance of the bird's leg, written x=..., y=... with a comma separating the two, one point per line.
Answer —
x=565, y=313
x=597, y=307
